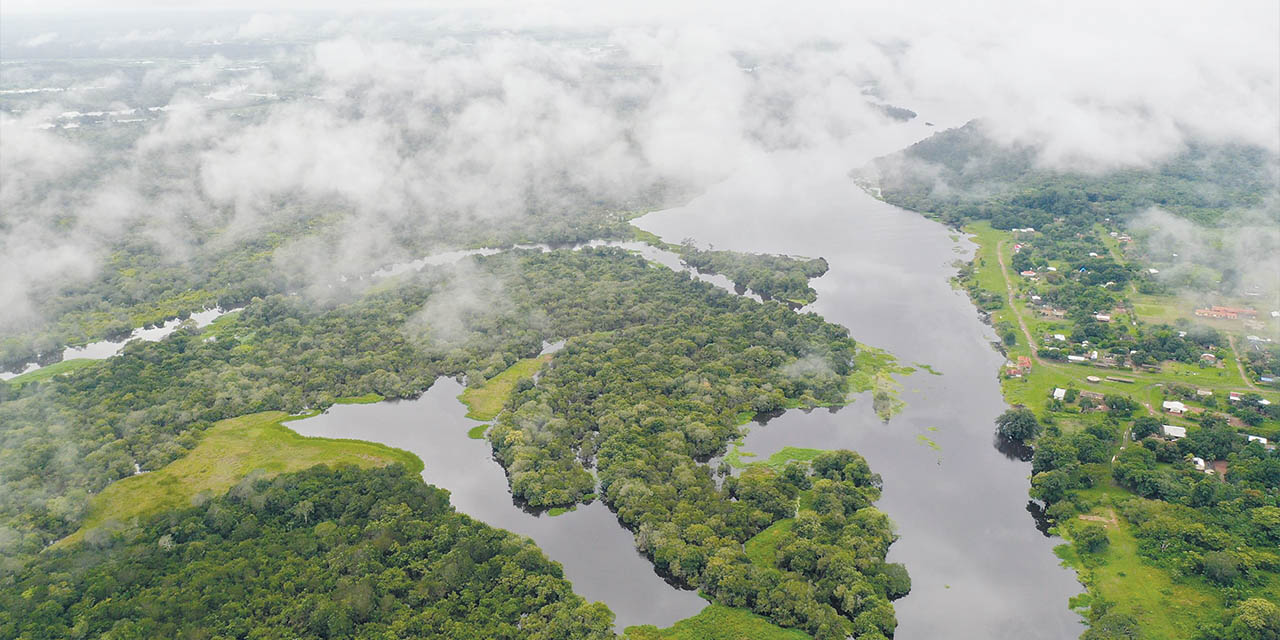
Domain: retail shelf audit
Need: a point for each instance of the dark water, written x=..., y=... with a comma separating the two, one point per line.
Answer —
x=598, y=555
x=979, y=566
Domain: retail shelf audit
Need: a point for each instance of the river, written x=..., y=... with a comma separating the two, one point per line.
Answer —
x=979, y=566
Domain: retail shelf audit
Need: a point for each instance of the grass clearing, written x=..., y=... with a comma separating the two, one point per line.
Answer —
x=1165, y=608
x=762, y=548
x=55, y=369
x=229, y=451
x=485, y=402
x=717, y=622
x=368, y=398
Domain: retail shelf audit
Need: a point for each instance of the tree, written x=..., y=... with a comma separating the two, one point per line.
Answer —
x=1018, y=424
x=1091, y=537
x=1256, y=619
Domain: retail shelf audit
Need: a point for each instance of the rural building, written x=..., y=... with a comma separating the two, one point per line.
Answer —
x=1059, y=394
x=1171, y=431
x=1174, y=407
x=1258, y=439
x=1119, y=379
x=1077, y=359
x=1234, y=396
x=1228, y=313
x=1092, y=379
x=1102, y=317
x=1204, y=393
x=1208, y=357
x=1199, y=463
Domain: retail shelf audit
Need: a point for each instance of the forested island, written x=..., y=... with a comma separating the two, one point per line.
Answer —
x=1153, y=426
x=771, y=277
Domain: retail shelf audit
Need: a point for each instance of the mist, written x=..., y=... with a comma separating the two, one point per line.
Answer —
x=209, y=128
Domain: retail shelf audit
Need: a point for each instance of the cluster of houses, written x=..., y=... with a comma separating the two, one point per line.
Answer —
x=1021, y=368
x=1227, y=313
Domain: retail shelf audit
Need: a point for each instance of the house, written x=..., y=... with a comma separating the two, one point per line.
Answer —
x=1060, y=337
x=1051, y=269
x=1061, y=394
x=1077, y=359
x=1093, y=254
x=1119, y=379
x=1266, y=379
x=1035, y=298
x=1102, y=317
x=1173, y=432
x=1028, y=273
x=1174, y=407
x=1208, y=357
x=1153, y=271
x=1258, y=439
x=1234, y=396
x=1204, y=393
x=1024, y=362
x=1199, y=463
x=1092, y=379
x=1229, y=313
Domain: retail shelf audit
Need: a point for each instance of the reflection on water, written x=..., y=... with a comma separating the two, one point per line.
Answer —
x=979, y=567
x=597, y=553
x=104, y=349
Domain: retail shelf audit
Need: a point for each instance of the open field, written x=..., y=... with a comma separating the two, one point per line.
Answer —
x=485, y=402
x=229, y=451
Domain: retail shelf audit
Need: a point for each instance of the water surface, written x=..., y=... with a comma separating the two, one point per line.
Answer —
x=979, y=566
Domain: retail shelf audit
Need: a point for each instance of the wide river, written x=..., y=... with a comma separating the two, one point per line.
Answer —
x=979, y=566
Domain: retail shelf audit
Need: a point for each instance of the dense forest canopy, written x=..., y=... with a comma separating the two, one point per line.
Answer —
x=316, y=554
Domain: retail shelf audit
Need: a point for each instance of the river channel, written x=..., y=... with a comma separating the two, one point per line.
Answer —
x=979, y=566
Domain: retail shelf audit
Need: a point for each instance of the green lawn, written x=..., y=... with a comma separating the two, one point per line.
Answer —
x=485, y=402
x=229, y=451
x=1164, y=608
x=717, y=622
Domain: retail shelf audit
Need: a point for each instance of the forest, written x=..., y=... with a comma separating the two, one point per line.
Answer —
x=963, y=174
x=321, y=553
x=659, y=370
x=771, y=277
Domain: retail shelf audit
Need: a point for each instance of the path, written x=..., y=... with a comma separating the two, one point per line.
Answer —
x=1008, y=286
x=1231, y=340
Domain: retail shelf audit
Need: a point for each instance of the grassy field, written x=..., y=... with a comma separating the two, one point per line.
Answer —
x=55, y=369
x=485, y=402
x=1164, y=608
x=717, y=622
x=229, y=451
x=763, y=547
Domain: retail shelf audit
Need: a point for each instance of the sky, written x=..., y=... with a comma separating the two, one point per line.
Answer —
x=476, y=111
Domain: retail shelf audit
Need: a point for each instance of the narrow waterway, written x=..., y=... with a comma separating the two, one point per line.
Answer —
x=104, y=349
x=979, y=566
x=597, y=553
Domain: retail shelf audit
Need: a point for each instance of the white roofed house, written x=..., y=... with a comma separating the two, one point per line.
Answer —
x=1258, y=439
x=1174, y=407
x=1059, y=394
x=1173, y=432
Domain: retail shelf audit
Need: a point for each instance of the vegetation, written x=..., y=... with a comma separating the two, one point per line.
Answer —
x=771, y=277
x=1165, y=549
x=717, y=622
x=485, y=402
x=658, y=372
x=962, y=175
x=1018, y=424
x=229, y=451
x=315, y=554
